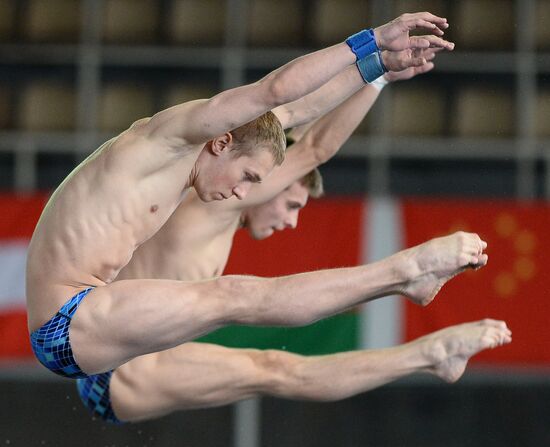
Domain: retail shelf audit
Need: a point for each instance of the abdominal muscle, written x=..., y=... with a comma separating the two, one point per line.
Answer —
x=90, y=228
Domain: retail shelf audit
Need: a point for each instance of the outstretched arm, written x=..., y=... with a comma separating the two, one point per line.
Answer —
x=196, y=122
x=324, y=138
x=349, y=81
x=316, y=104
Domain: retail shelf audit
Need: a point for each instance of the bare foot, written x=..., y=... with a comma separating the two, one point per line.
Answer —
x=449, y=350
x=430, y=265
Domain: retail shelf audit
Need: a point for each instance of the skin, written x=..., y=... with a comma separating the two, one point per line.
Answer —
x=123, y=193
x=270, y=206
x=188, y=376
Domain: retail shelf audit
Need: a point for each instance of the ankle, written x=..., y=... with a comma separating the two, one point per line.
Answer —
x=433, y=351
x=404, y=266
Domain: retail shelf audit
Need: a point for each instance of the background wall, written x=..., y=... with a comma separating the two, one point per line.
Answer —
x=464, y=147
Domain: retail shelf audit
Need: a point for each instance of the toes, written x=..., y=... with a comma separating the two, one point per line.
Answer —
x=495, y=336
x=481, y=243
x=488, y=342
x=479, y=261
x=494, y=323
x=478, y=244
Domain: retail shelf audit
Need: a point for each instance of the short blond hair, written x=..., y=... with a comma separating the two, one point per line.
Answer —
x=313, y=181
x=266, y=130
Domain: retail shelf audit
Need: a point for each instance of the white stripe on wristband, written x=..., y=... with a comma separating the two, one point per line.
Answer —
x=379, y=83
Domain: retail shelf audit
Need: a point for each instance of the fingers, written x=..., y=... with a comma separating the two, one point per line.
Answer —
x=431, y=42
x=416, y=62
x=395, y=35
x=424, y=68
x=428, y=54
x=425, y=20
x=419, y=42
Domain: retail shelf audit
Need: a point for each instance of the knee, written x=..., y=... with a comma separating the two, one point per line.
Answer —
x=241, y=295
x=276, y=371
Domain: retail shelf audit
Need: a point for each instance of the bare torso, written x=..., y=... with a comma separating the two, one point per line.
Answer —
x=193, y=245
x=110, y=204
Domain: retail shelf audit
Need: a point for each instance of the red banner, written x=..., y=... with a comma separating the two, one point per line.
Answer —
x=329, y=235
x=512, y=287
x=14, y=335
x=19, y=215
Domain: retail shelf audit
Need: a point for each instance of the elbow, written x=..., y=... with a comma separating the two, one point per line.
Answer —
x=322, y=152
x=276, y=91
x=322, y=155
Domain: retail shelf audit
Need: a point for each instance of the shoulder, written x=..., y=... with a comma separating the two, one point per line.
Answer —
x=135, y=151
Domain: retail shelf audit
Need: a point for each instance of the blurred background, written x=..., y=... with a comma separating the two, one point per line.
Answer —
x=466, y=146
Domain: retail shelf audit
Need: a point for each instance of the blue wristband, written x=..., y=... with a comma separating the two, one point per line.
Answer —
x=363, y=43
x=371, y=67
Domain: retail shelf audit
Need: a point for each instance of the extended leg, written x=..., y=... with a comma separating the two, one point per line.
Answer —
x=126, y=319
x=196, y=375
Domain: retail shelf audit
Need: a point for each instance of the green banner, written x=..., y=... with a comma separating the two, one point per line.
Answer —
x=337, y=334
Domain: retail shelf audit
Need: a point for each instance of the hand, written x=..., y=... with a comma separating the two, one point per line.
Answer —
x=394, y=36
x=403, y=57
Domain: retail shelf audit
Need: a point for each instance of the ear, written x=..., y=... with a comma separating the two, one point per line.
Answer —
x=221, y=144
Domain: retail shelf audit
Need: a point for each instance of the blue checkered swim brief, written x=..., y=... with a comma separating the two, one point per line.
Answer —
x=94, y=392
x=51, y=344
x=52, y=348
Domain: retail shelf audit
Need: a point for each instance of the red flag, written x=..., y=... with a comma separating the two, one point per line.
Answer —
x=512, y=287
x=328, y=235
x=17, y=222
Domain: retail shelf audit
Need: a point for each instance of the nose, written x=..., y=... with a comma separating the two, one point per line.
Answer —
x=241, y=191
x=291, y=222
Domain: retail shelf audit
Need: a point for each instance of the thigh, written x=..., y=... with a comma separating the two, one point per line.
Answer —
x=193, y=375
x=126, y=319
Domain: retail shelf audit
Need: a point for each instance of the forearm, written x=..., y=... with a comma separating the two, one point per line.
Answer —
x=328, y=134
x=308, y=73
x=235, y=107
x=322, y=100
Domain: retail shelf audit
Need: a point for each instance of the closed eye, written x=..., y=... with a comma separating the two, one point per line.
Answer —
x=294, y=206
x=253, y=178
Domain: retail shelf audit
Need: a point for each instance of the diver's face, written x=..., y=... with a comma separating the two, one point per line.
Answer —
x=223, y=174
x=279, y=213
